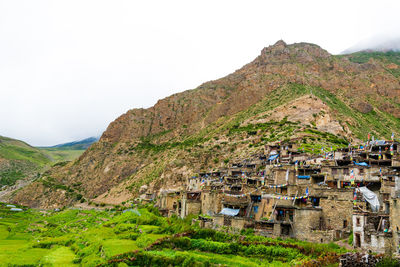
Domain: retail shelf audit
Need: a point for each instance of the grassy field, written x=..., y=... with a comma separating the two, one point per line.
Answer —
x=56, y=154
x=139, y=237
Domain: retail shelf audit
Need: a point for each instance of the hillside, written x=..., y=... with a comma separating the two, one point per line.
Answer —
x=390, y=59
x=68, y=151
x=293, y=92
x=19, y=160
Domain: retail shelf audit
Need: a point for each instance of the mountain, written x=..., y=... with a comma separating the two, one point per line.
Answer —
x=77, y=145
x=376, y=44
x=298, y=93
x=390, y=59
x=19, y=160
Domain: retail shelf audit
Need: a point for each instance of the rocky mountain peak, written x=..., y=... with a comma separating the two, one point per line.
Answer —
x=281, y=52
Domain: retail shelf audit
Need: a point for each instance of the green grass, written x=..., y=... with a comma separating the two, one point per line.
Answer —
x=117, y=246
x=89, y=238
x=18, y=150
x=57, y=154
x=27, y=161
x=61, y=256
x=385, y=57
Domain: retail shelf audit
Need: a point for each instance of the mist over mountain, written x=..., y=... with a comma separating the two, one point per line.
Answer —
x=376, y=44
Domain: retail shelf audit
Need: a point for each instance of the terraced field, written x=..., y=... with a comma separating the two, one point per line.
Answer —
x=141, y=237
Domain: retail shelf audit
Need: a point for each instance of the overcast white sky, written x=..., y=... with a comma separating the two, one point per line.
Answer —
x=69, y=68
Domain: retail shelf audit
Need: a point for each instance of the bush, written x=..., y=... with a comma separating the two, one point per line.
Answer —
x=350, y=240
x=388, y=262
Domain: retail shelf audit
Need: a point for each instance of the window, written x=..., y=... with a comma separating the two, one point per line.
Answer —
x=346, y=171
x=315, y=201
x=361, y=171
x=358, y=223
x=344, y=223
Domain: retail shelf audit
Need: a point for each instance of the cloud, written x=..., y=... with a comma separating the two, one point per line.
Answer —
x=68, y=68
x=381, y=43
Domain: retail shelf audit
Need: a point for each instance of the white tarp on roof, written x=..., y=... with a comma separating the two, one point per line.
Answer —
x=230, y=212
x=371, y=197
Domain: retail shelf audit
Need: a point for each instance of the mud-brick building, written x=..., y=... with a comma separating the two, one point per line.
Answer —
x=336, y=210
x=190, y=203
x=211, y=200
x=288, y=193
x=168, y=202
x=372, y=232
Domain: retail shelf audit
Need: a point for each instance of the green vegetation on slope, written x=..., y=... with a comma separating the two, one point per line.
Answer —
x=62, y=154
x=243, y=128
x=376, y=122
x=18, y=160
x=21, y=160
x=385, y=57
x=18, y=150
x=140, y=237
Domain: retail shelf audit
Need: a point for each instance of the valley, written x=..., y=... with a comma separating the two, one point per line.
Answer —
x=272, y=165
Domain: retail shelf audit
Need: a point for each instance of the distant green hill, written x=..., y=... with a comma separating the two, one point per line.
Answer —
x=68, y=151
x=13, y=149
x=19, y=159
x=76, y=145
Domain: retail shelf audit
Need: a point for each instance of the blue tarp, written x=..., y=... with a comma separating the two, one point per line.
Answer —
x=304, y=176
x=230, y=212
x=273, y=157
x=361, y=164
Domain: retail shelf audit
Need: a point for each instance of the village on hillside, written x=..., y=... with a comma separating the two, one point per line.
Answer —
x=288, y=193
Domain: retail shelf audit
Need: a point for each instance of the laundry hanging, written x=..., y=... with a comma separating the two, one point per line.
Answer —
x=229, y=212
x=370, y=197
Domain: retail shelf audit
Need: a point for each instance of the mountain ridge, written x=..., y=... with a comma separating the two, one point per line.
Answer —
x=80, y=144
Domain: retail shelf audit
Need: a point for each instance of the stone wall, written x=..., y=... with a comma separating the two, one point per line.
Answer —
x=211, y=202
x=238, y=223
x=192, y=207
x=337, y=214
x=395, y=224
x=305, y=221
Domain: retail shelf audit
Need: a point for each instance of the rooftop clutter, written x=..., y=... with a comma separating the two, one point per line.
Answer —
x=286, y=192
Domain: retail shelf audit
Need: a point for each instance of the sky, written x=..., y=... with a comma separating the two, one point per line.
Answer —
x=69, y=68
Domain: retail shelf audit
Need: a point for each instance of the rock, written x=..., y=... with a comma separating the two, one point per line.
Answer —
x=363, y=107
x=143, y=189
x=358, y=260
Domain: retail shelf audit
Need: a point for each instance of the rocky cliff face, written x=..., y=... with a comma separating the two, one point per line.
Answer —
x=285, y=91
